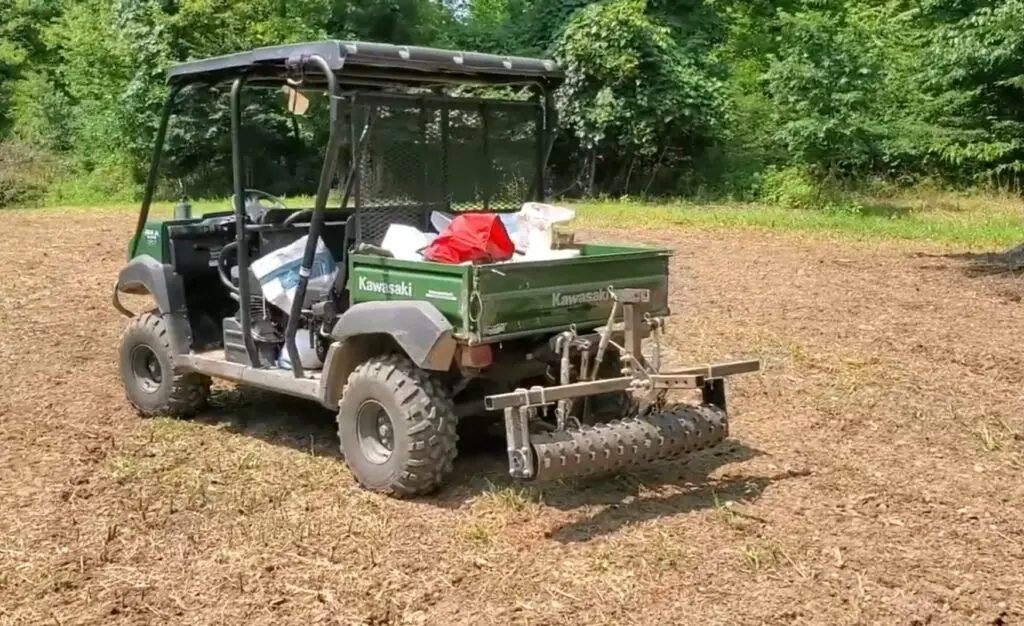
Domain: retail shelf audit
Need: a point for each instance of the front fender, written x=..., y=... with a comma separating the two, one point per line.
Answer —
x=144, y=274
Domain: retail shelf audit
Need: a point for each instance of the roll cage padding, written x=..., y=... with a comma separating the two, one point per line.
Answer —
x=418, y=328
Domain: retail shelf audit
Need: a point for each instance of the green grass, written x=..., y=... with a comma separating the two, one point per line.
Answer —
x=999, y=226
x=988, y=221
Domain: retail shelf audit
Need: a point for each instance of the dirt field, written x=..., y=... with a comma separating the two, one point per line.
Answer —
x=874, y=475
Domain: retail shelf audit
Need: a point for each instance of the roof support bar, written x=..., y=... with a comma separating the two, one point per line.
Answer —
x=242, y=249
x=154, y=167
x=317, y=219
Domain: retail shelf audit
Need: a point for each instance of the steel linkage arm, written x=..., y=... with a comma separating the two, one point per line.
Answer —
x=640, y=377
x=560, y=452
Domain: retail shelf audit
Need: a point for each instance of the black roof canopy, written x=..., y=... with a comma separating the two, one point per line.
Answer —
x=370, y=64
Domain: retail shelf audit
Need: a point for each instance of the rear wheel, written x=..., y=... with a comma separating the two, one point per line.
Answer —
x=397, y=427
x=150, y=383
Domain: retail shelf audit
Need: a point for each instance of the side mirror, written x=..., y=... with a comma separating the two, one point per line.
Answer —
x=298, y=104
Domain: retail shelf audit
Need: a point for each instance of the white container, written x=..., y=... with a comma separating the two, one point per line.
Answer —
x=535, y=227
x=307, y=353
x=538, y=242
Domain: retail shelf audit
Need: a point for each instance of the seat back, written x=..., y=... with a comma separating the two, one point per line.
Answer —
x=333, y=233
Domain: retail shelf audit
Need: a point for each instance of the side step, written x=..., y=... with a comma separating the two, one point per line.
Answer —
x=271, y=379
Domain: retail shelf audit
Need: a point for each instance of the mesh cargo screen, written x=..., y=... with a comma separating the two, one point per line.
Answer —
x=432, y=155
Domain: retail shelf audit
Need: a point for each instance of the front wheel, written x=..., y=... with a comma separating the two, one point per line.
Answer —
x=397, y=428
x=147, y=372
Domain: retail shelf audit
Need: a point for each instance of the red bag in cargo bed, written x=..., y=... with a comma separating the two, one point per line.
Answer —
x=474, y=237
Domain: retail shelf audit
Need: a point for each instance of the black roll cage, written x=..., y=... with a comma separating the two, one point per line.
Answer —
x=494, y=71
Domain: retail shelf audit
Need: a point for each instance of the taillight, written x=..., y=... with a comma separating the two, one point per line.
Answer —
x=477, y=357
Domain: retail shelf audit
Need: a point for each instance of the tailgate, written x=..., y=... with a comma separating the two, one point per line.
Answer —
x=517, y=299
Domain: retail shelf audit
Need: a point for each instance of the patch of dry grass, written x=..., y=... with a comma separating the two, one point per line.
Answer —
x=873, y=475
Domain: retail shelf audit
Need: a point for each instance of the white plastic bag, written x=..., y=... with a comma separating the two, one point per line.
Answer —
x=405, y=242
x=439, y=220
x=278, y=272
x=535, y=228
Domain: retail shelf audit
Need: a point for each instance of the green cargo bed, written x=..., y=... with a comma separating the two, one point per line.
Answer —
x=495, y=302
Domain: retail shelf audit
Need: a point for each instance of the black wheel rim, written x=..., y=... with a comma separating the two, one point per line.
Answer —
x=146, y=369
x=375, y=432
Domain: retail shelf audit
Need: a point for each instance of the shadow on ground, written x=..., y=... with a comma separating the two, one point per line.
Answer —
x=631, y=497
x=622, y=499
x=689, y=482
x=1008, y=263
x=275, y=419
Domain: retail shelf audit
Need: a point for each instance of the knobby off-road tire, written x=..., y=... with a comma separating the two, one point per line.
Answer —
x=151, y=385
x=420, y=416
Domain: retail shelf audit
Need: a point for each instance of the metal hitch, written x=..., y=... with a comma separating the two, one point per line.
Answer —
x=649, y=436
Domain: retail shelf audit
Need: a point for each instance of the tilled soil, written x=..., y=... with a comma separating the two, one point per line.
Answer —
x=874, y=474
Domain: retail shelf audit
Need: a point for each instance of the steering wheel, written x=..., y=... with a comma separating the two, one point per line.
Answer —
x=294, y=217
x=252, y=197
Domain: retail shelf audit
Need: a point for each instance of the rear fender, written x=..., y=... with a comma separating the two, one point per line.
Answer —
x=371, y=328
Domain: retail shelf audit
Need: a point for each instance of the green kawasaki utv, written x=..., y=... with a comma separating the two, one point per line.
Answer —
x=403, y=349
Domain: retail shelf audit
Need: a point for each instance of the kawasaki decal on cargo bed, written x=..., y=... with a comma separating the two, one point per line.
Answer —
x=403, y=289
x=559, y=299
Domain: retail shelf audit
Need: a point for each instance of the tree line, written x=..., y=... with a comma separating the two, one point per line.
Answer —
x=750, y=99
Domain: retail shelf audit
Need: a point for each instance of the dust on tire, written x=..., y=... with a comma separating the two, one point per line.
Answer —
x=424, y=422
x=177, y=394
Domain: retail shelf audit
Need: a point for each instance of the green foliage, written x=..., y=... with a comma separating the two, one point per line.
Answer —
x=823, y=89
x=792, y=101
x=638, y=93
x=975, y=76
x=40, y=112
x=25, y=173
x=637, y=88
x=790, y=188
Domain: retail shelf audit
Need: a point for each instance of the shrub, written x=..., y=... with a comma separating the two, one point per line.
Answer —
x=25, y=173
x=790, y=187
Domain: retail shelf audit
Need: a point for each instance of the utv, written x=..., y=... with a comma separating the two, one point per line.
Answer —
x=404, y=349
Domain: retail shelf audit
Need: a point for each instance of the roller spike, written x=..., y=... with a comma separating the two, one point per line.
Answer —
x=631, y=442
